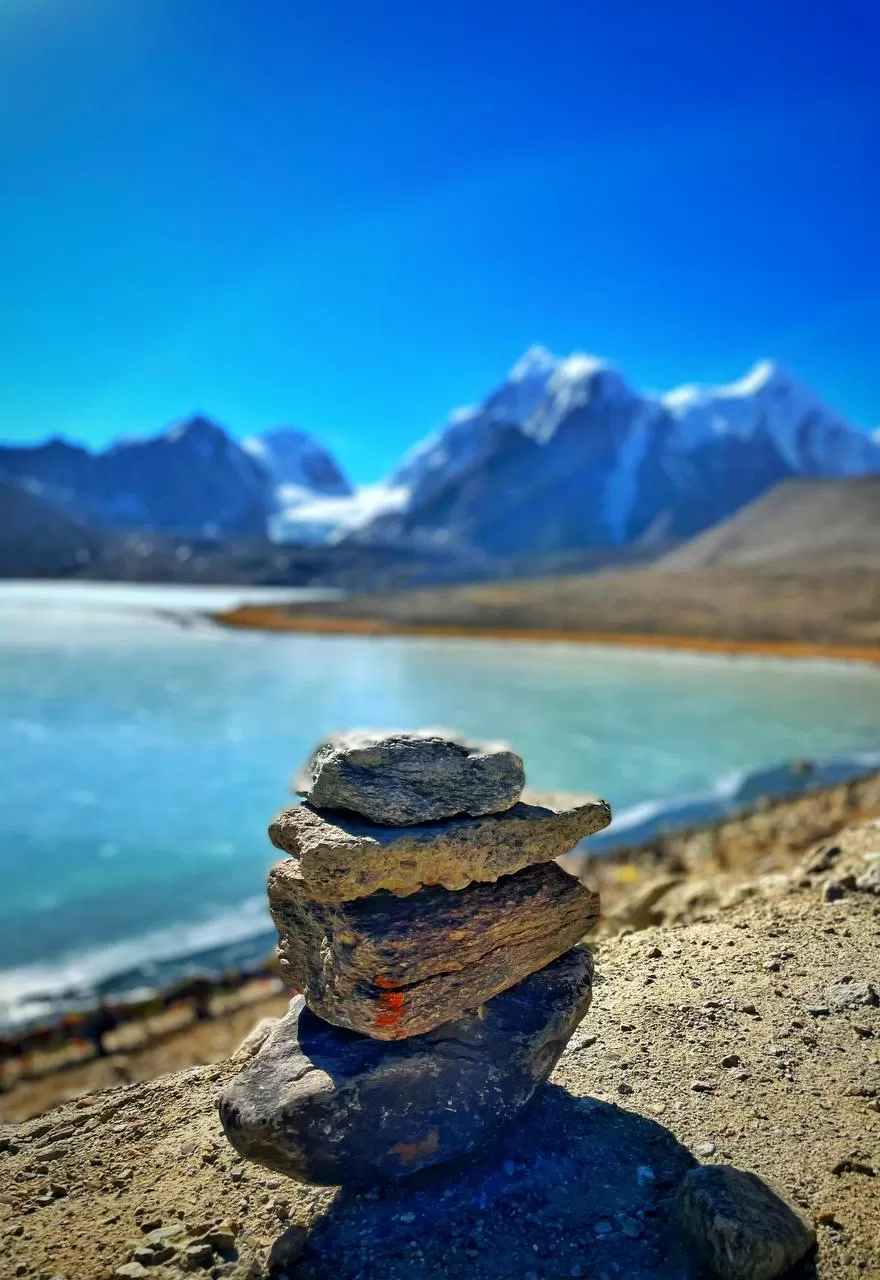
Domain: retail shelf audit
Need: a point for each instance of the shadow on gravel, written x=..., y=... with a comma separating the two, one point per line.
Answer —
x=577, y=1188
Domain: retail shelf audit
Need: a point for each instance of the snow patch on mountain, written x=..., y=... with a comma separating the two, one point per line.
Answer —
x=692, y=395
x=768, y=397
x=576, y=381
x=315, y=521
x=292, y=457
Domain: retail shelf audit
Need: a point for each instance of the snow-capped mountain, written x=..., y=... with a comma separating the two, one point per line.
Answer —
x=194, y=479
x=293, y=458
x=313, y=500
x=563, y=456
x=566, y=455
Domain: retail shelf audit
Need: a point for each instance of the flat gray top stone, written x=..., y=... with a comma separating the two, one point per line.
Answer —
x=341, y=857
x=403, y=779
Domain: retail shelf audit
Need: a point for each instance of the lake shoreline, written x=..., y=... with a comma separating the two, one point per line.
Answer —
x=269, y=619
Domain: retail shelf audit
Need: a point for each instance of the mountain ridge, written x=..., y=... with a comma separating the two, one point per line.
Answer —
x=563, y=456
x=595, y=463
x=193, y=479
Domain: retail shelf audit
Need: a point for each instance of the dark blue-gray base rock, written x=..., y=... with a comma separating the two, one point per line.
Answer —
x=330, y=1106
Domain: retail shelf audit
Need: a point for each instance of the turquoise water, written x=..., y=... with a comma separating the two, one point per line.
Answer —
x=140, y=760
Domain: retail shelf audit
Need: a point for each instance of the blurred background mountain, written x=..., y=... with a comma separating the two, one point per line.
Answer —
x=563, y=465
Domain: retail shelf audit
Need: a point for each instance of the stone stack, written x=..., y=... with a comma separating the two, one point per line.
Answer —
x=434, y=942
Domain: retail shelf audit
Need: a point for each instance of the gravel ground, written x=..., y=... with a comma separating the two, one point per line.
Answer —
x=750, y=1038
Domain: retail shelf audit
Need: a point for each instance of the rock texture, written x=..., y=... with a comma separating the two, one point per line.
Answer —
x=329, y=1106
x=392, y=967
x=402, y=779
x=741, y=1227
x=340, y=857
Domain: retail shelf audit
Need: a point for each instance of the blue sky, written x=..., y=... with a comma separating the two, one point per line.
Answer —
x=354, y=216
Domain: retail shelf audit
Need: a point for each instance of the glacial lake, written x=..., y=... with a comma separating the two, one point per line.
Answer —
x=142, y=754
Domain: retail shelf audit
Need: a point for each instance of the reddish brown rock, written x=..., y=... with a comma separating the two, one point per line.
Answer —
x=393, y=967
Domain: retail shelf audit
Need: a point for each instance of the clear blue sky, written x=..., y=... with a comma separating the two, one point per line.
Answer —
x=354, y=215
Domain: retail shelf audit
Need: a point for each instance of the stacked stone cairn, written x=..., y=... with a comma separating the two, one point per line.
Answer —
x=435, y=944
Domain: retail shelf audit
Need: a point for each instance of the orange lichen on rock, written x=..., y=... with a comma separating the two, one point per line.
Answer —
x=391, y=1010
x=409, y=1152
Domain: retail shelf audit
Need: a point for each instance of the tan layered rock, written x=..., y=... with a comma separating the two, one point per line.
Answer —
x=340, y=856
x=392, y=967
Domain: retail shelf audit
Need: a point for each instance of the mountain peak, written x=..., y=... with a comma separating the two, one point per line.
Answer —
x=283, y=435
x=297, y=462
x=196, y=427
x=537, y=362
x=763, y=375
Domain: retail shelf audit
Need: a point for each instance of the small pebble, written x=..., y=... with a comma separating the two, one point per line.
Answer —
x=603, y=1227
x=631, y=1226
x=702, y=1086
x=197, y=1255
x=705, y=1149
x=509, y=1168
x=287, y=1249
x=731, y=1060
x=222, y=1238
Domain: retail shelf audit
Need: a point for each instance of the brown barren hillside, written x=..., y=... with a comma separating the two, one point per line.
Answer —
x=769, y=609
x=833, y=524
x=797, y=572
